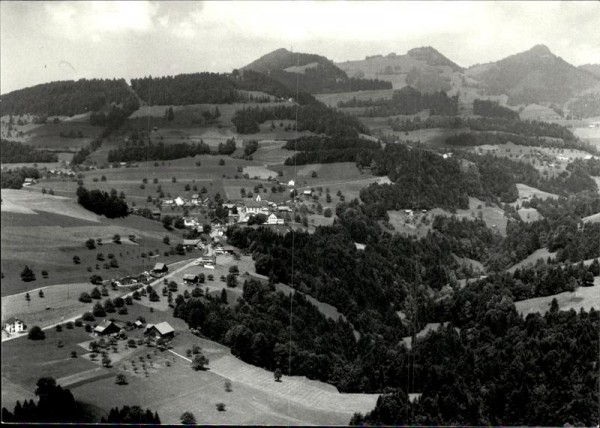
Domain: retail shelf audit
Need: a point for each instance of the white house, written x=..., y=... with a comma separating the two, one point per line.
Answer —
x=14, y=325
x=273, y=219
x=178, y=201
x=307, y=192
x=190, y=222
x=291, y=183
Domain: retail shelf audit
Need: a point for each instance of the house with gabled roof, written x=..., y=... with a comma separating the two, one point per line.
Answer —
x=162, y=330
x=14, y=325
x=160, y=268
x=107, y=327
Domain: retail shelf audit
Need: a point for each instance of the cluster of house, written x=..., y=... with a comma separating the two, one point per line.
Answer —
x=160, y=330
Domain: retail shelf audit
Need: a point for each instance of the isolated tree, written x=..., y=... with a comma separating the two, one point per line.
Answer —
x=109, y=306
x=106, y=361
x=76, y=260
x=41, y=293
x=98, y=310
x=277, y=375
x=199, y=361
x=45, y=274
x=27, y=274
x=228, y=386
x=220, y=407
x=90, y=244
x=166, y=240
x=36, y=333
x=188, y=418
x=121, y=379
x=117, y=238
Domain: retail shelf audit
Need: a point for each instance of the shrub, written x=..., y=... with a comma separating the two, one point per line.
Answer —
x=86, y=298
x=220, y=407
x=87, y=316
x=187, y=418
x=36, y=333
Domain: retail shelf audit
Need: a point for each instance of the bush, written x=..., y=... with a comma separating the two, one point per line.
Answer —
x=27, y=274
x=187, y=418
x=36, y=333
x=87, y=316
x=86, y=298
x=221, y=407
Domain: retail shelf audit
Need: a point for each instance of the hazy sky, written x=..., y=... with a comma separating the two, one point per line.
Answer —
x=47, y=41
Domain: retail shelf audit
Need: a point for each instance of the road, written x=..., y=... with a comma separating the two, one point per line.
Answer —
x=72, y=319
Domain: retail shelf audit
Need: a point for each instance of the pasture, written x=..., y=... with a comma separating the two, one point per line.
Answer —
x=539, y=254
x=46, y=232
x=582, y=298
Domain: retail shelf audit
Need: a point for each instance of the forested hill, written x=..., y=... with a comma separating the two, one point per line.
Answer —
x=535, y=75
x=69, y=97
x=312, y=73
x=211, y=88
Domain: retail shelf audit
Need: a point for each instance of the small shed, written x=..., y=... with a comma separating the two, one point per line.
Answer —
x=162, y=329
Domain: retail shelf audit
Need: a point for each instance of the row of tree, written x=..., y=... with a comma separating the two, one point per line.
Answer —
x=15, y=152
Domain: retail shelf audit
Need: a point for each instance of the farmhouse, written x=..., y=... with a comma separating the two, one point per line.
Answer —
x=14, y=325
x=284, y=208
x=189, y=278
x=308, y=192
x=192, y=243
x=190, y=222
x=160, y=268
x=162, y=329
x=105, y=328
x=178, y=201
x=29, y=181
x=138, y=324
x=360, y=246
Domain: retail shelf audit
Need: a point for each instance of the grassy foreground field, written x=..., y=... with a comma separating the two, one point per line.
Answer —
x=45, y=232
x=168, y=385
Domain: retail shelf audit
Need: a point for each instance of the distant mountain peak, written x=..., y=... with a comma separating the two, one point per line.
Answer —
x=540, y=50
x=432, y=57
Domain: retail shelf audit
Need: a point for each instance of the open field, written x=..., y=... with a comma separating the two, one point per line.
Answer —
x=48, y=136
x=170, y=386
x=260, y=172
x=541, y=253
x=60, y=299
x=582, y=298
x=594, y=218
x=272, y=153
x=48, y=236
x=529, y=215
x=528, y=192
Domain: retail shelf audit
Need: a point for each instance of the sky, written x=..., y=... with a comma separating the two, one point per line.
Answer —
x=48, y=41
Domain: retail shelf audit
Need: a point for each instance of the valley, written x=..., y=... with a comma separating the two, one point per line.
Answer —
x=303, y=241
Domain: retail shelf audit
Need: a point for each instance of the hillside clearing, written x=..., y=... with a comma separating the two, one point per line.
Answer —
x=582, y=298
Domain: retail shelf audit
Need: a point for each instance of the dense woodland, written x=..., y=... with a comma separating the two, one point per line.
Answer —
x=409, y=101
x=316, y=118
x=15, y=152
x=102, y=203
x=160, y=151
x=55, y=405
x=529, y=128
x=69, y=97
x=14, y=178
x=488, y=108
x=325, y=149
